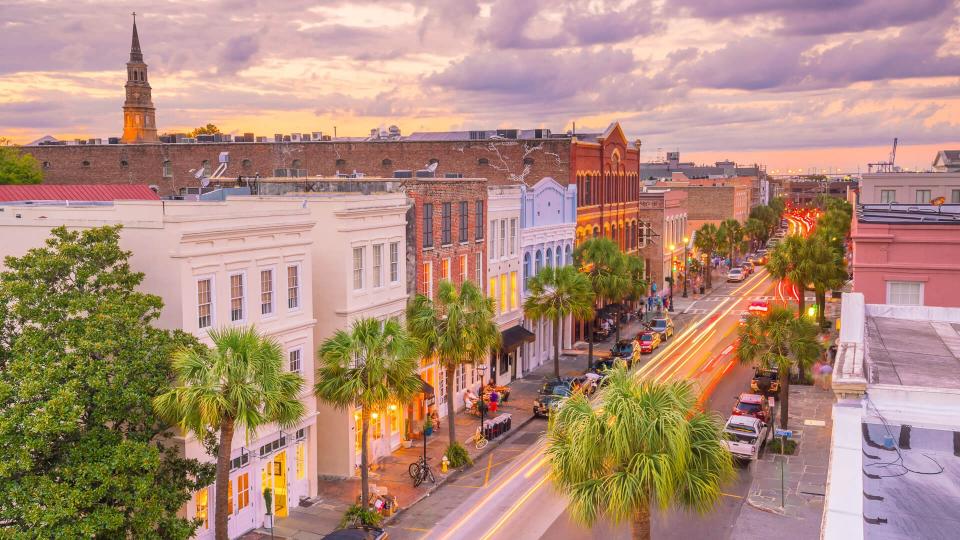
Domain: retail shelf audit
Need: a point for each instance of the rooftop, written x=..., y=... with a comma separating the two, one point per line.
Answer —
x=909, y=213
x=78, y=192
x=912, y=352
x=911, y=481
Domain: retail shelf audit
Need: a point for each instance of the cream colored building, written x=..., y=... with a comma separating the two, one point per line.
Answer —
x=219, y=265
x=504, y=275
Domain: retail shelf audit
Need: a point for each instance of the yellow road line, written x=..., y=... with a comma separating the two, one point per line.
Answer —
x=486, y=478
x=514, y=508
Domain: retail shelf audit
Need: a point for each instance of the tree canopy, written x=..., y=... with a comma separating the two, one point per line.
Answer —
x=17, y=167
x=80, y=362
x=208, y=129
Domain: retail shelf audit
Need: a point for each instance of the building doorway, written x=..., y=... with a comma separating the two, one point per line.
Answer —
x=274, y=476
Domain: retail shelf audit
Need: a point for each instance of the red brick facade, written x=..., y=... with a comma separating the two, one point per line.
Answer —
x=434, y=253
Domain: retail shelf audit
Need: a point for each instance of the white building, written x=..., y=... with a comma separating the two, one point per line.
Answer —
x=216, y=265
x=909, y=188
x=894, y=469
x=503, y=280
x=548, y=225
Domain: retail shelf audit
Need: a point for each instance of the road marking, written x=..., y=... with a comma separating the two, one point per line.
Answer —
x=514, y=508
x=731, y=495
x=486, y=477
x=415, y=529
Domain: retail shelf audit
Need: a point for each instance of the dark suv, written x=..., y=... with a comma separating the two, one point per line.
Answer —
x=549, y=396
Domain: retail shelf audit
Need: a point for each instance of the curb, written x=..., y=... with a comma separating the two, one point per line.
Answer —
x=770, y=510
x=459, y=472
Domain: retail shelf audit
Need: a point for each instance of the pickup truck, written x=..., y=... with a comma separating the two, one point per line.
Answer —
x=745, y=436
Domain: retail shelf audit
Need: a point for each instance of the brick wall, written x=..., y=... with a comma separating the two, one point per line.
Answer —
x=436, y=192
x=499, y=161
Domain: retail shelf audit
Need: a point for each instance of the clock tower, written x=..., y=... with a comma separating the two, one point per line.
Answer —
x=139, y=116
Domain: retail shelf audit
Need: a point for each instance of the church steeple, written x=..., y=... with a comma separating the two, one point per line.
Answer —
x=139, y=116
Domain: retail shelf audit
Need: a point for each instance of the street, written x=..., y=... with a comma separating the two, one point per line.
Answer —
x=509, y=494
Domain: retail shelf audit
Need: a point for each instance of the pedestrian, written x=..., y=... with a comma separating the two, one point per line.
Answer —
x=435, y=418
x=494, y=399
x=826, y=374
x=815, y=372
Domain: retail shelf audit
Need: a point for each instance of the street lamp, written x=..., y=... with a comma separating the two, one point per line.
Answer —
x=481, y=406
x=672, y=282
x=685, y=270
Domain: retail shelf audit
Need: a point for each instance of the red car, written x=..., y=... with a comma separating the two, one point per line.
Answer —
x=649, y=341
x=753, y=405
x=761, y=306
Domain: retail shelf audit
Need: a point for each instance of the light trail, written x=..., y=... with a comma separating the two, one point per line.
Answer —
x=513, y=509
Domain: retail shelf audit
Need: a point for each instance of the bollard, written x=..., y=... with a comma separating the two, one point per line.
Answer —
x=444, y=464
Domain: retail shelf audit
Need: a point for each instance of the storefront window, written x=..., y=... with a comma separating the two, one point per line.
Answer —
x=376, y=425
x=203, y=505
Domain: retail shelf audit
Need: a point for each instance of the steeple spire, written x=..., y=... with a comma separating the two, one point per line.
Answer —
x=135, y=54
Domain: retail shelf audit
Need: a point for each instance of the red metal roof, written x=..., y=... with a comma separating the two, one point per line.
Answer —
x=78, y=192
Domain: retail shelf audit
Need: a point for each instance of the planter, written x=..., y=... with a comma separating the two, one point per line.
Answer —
x=428, y=431
x=407, y=443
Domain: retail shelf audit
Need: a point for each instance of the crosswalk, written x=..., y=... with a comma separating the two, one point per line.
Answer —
x=709, y=301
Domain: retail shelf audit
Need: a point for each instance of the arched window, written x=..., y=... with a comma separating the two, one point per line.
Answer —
x=124, y=163
x=46, y=164
x=85, y=163
x=526, y=269
x=569, y=255
x=206, y=167
x=559, y=256
x=528, y=161
x=596, y=232
x=341, y=162
x=613, y=233
x=245, y=163
x=539, y=262
x=386, y=162
x=295, y=164
x=167, y=169
x=483, y=161
x=549, y=257
x=588, y=197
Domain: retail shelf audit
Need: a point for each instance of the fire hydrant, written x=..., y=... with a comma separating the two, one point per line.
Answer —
x=444, y=464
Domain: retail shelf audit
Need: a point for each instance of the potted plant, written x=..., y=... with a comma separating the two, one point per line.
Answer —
x=428, y=427
x=268, y=505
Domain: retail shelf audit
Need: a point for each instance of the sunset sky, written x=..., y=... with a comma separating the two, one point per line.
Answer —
x=788, y=83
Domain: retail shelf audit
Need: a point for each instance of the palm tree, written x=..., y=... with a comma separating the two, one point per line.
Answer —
x=827, y=269
x=372, y=365
x=789, y=260
x=458, y=329
x=757, y=231
x=707, y=240
x=238, y=384
x=730, y=234
x=637, y=283
x=645, y=445
x=554, y=293
x=601, y=260
x=779, y=340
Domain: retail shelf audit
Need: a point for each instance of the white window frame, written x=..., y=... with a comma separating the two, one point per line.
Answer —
x=891, y=192
x=929, y=196
x=358, y=272
x=464, y=261
x=273, y=291
x=448, y=263
x=243, y=299
x=213, y=300
x=394, y=262
x=377, y=265
x=429, y=282
x=493, y=238
x=478, y=269
x=889, y=287
x=513, y=236
x=503, y=238
x=299, y=351
x=287, y=287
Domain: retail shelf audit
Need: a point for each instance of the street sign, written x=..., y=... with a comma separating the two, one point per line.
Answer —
x=783, y=433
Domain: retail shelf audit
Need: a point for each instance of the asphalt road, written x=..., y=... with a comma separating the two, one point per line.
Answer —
x=509, y=494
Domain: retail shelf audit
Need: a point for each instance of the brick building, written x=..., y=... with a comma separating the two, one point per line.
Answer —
x=712, y=200
x=664, y=214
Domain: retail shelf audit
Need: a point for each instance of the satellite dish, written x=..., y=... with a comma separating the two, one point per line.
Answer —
x=204, y=182
x=199, y=174
x=432, y=167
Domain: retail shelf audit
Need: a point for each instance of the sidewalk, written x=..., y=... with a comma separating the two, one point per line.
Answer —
x=805, y=474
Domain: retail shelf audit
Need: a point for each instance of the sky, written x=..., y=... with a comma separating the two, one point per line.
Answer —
x=793, y=84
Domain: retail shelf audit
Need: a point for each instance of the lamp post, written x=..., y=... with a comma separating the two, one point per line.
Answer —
x=672, y=282
x=481, y=406
x=685, y=269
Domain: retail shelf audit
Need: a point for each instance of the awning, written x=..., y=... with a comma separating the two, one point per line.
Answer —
x=514, y=336
x=425, y=387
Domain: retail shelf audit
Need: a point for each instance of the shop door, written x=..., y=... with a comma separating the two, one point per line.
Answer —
x=274, y=476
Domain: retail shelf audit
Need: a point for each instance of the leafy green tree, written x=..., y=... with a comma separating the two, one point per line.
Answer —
x=779, y=340
x=778, y=205
x=731, y=238
x=767, y=216
x=555, y=293
x=84, y=452
x=239, y=384
x=707, y=241
x=757, y=231
x=208, y=129
x=827, y=269
x=458, y=328
x=371, y=366
x=17, y=167
x=636, y=278
x=602, y=261
x=790, y=260
x=646, y=445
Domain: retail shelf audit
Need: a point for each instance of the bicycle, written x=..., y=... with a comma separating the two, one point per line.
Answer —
x=421, y=471
x=478, y=440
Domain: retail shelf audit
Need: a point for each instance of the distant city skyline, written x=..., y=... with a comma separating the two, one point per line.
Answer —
x=820, y=85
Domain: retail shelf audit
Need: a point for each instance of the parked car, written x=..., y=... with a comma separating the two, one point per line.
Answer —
x=550, y=395
x=747, y=267
x=744, y=437
x=752, y=405
x=764, y=377
x=622, y=349
x=649, y=341
x=358, y=533
x=759, y=259
x=587, y=383
x=664, y=326
x=735, y=275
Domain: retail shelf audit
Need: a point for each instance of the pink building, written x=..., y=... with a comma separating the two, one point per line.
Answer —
x=907, y=254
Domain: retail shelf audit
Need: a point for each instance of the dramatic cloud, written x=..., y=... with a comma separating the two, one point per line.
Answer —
x=725, y=76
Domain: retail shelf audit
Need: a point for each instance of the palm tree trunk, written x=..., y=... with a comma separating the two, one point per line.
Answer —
x=556, y=347
x=364, y=459
x=222, y=483
x=640, y=524
x=451, y=425
x=590, y=344
x=709, y=271
x=801, y=300
x=822, y=306
x=784, y=397
x=617, y=323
